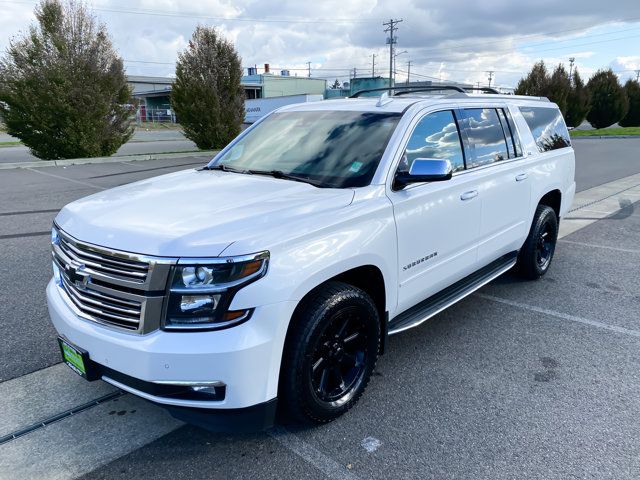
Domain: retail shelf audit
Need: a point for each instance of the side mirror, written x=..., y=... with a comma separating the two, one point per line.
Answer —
x=424, y=170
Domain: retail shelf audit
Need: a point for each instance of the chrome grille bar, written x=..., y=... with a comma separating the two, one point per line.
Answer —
x=117, y=289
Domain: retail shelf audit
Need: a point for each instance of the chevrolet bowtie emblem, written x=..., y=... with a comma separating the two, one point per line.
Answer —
x=78, y=276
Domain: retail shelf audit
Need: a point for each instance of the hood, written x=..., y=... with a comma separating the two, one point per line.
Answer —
x=193, y=213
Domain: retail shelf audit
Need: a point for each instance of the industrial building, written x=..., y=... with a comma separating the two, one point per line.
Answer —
x=154, y=93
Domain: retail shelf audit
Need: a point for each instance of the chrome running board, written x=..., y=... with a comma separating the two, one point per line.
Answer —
x=433, y=305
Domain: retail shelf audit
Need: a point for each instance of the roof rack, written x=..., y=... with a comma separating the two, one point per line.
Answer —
x=404, y=90
x=408, y=89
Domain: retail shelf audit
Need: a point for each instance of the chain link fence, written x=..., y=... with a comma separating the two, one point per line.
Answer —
x=158, y=114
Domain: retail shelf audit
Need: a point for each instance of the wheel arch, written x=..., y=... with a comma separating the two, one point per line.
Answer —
x=553, y=199
x=368, y=278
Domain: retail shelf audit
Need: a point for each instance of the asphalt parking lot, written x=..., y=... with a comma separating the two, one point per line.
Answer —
x=520, y=380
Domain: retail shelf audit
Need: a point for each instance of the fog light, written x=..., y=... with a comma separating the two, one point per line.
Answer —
x=204, y=389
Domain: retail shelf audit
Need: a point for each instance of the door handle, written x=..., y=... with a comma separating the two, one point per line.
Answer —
x=469, y=195
x=521, y=177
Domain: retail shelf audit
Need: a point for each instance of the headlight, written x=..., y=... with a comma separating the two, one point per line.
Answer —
x=56, y=269
x=54, y=236
x=201, y=291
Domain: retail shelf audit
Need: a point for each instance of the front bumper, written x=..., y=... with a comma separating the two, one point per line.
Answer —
x=246, y=358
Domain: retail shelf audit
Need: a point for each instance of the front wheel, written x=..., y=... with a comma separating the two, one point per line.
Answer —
x=330, y=353
x=538, y=249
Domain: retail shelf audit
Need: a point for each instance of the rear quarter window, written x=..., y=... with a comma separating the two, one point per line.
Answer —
x=547, y=127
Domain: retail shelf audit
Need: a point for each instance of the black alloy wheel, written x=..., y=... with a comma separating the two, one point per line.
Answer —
x=338, y=362
x=537, y=252
x=330, y=352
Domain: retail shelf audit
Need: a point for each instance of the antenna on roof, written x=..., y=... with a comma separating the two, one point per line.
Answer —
x=383, y=100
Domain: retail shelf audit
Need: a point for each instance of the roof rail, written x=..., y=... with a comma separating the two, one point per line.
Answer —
x=408, y=89
x=482, y=89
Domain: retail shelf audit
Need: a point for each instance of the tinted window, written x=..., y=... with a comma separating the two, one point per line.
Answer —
x=435, y=136
x=486, y=137
x=547, y=126
x=514, y=132
x=328, y=148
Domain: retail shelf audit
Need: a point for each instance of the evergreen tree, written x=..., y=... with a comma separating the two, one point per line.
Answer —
x=632, y=118
x=559, y=88
x=207, y=95
x=578, y=102
x=63, y=91
x=536, y=83
x=609, y=102
x=336, y=84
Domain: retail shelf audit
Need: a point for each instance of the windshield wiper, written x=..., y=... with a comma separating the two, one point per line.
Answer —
x=224, y=168
x=286, y=176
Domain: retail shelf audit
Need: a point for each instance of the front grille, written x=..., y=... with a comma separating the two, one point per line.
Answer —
x=104, y=307
x=108, y=265
x=119, y=289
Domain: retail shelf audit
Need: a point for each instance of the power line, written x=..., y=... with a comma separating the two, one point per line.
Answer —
x=160, y=13
x=460, y=45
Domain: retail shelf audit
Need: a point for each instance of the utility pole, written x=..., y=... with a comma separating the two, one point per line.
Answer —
x=373, y=64
x=354, y=72
x=490, y=77
x=309, y=69
x=408, y=71
x=637, y=75
x=391, y=40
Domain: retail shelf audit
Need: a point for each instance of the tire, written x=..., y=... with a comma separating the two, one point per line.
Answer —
x=334, y=335
x=537, y=252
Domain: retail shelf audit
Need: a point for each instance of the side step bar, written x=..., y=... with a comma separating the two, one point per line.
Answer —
x=450, y=295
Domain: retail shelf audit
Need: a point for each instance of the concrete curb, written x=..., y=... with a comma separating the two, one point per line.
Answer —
x=592, y=137
x=124, y=158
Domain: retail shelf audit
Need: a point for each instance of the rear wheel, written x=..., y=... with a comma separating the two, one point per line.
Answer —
x=538, y=249
x=330, y=353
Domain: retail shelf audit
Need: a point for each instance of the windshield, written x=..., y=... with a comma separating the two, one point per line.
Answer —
x=326, y=148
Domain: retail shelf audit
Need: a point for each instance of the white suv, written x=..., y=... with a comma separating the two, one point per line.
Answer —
x=276, y=273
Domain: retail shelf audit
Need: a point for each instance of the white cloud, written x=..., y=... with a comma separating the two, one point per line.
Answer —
x=443, y=39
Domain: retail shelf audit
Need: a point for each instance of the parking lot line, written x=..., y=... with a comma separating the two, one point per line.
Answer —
x=80, y=443
x=21, y=235
x=606, y=247
x=311, y=455
x=73, y=180
x=563, y=316
x=28, y=212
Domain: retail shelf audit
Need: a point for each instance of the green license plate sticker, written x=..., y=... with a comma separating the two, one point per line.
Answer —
x=73, y=358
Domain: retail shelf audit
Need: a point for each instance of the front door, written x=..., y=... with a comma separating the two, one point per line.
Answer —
x=437, y=223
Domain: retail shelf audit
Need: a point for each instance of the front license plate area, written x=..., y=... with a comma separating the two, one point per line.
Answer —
x=77, y=359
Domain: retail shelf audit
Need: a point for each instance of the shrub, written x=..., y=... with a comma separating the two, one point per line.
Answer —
x=63, y=91
x=609, y=102
x=206, y=94
x=578, y=102
x=632, y=118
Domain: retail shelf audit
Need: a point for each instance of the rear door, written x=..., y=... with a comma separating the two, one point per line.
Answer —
x=496, y=163
x=437, y=223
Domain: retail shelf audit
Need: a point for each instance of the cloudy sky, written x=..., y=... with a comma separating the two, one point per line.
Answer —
x=444, y=39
